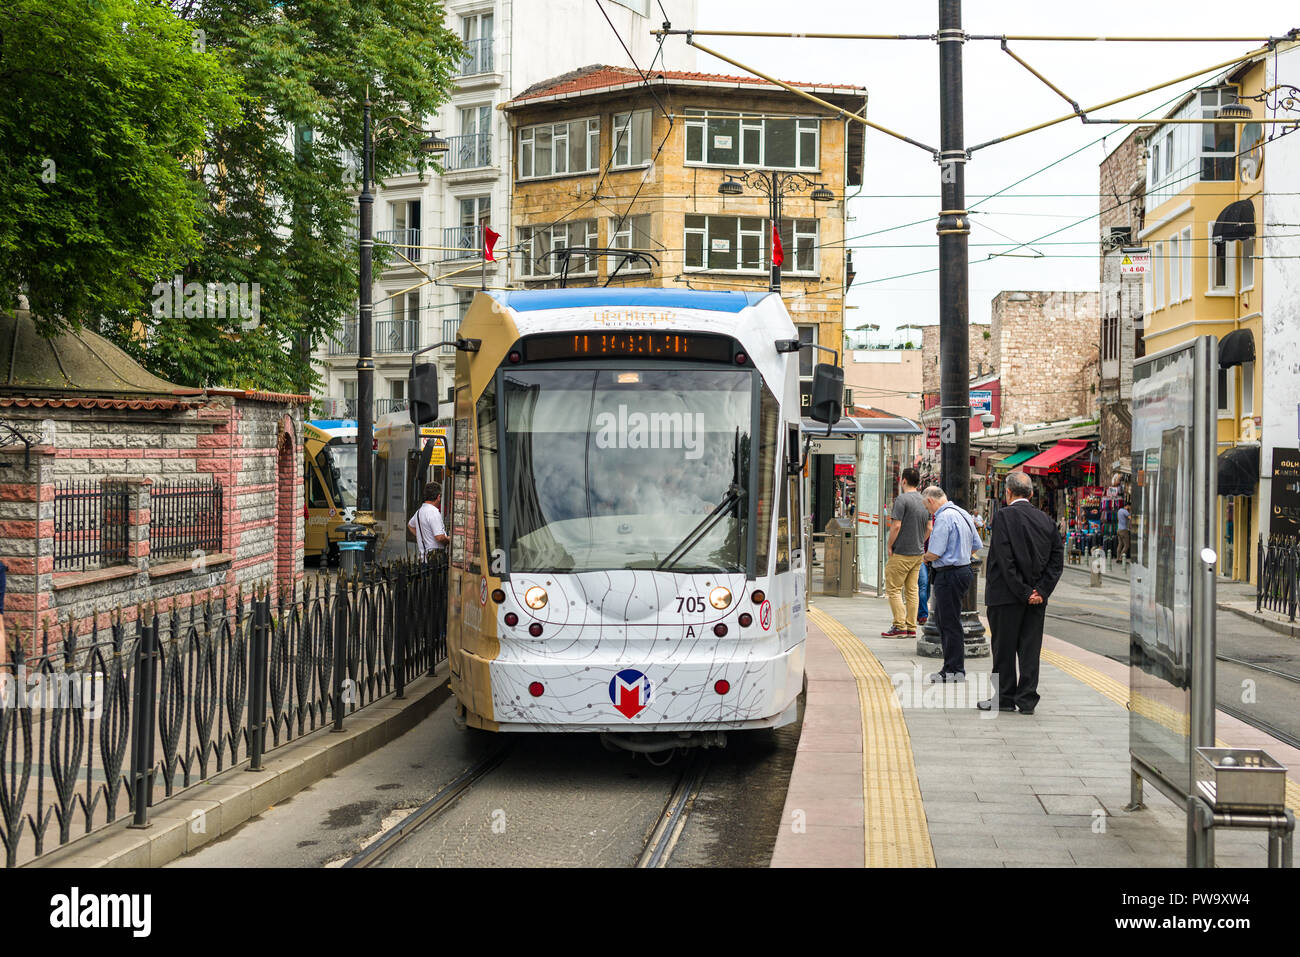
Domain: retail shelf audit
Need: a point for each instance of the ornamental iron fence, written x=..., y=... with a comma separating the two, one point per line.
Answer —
x=185, y=517
x=118, y=719
x=90, y=525
x=1279, y=576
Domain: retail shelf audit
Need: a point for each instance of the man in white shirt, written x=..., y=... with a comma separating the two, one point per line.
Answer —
x=426, y=523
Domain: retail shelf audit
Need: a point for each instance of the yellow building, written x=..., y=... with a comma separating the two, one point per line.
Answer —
x=1204, y=196
x=606, y=162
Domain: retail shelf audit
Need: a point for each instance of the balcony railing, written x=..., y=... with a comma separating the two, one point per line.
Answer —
x=471, y=151
x=344, y=340
x=462, y=242
x=478, y=57
x=339, y=408
x=385, y=406
x=403, y=241
x=449, y=327
x=396, y=335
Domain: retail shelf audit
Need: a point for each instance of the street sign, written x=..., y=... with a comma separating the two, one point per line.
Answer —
x=981, y=400
x=1135, y=262
x=844, y=463
x=931, y=436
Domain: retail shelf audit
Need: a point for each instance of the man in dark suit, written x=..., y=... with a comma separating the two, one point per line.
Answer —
x=1024, y=564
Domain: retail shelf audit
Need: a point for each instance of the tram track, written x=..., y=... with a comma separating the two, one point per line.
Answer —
x=672, y=821
x=430, y=810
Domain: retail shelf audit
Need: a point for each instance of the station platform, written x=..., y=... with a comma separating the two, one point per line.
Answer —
x=894, y=772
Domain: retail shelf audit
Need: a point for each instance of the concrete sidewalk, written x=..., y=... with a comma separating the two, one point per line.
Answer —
x=886, y=755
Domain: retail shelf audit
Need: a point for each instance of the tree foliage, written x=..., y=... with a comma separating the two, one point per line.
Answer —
x=281, y=184
x=103, y=106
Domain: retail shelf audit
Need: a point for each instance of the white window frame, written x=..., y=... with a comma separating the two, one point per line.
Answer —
x=1222, y=96
x=1229, y=266
x=1158, y=274
x=1175, y=270
x=1189, y=258
x=559, y=134
x=802, y=233
x=808, y=356
x=634, y=230
x=581, y=232
x=697, y=121
x=631, y=147
x=1247, y=263
x=1228, y=393
x=1247, y=403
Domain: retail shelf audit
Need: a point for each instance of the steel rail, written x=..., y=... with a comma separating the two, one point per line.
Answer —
x=663, y=839
x=434, y=807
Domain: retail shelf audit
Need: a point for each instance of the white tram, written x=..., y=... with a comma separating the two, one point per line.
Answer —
x=624, y=513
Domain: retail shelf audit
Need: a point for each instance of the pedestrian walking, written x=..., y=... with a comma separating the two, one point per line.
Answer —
x=1121, y=519
x=908, y=525
x=426, y=523
x=953, y=542
x=1024, y=564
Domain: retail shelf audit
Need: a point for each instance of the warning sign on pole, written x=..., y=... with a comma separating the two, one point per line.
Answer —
x=1134, y=262
x=931, y=436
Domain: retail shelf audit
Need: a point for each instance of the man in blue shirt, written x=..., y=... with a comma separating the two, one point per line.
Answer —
x=953, y=543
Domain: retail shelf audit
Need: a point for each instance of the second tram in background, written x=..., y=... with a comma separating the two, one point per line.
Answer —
x=625, y=555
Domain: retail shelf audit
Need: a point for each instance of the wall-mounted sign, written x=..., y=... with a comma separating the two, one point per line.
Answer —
x=931, y=436
x=844, y=463
x=722, y=142
x=1135, y=262
x=1284, y=500
x=720, y=245
x=981, y=401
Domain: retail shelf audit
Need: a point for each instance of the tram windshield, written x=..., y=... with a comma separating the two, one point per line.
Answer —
x=612, y=468
x=338, y=463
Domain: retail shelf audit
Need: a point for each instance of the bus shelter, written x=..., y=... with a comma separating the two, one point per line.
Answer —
x=854, y=472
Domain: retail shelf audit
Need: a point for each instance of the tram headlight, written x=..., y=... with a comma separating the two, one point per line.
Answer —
x=535, y=598
x=720, y=598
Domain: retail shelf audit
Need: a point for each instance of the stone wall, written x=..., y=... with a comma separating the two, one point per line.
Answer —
x=979, y=351
x=250, y=445
x=1044, y=346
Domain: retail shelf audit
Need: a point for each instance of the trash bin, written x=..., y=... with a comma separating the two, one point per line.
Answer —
x=840, y=568
x=351, y=548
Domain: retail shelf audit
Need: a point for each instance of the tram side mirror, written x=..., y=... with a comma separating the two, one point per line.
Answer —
x=827, y=393
x=422, y=393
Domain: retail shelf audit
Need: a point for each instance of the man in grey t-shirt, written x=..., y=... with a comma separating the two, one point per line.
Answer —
x=909, y=523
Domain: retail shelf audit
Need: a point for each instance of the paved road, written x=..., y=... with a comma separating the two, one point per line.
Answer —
x=555, y=800
x=1098, y=619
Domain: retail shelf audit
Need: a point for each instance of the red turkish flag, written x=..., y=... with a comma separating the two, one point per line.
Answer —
x=489, y=242
x=778, y=254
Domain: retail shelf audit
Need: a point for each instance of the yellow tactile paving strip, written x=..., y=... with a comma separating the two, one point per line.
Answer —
x=1154, y=710
x=893, y=815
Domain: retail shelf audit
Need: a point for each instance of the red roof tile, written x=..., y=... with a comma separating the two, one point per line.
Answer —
x=597, y=77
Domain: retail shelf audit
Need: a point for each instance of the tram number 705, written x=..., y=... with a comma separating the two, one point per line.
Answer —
x=690, y=603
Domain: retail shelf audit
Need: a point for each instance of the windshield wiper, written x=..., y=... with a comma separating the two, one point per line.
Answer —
x=696, y=535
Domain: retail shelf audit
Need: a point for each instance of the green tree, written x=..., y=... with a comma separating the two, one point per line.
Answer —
x=104, y=107
x=281, y=184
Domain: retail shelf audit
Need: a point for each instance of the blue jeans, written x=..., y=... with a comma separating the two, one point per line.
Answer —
x=923, y=592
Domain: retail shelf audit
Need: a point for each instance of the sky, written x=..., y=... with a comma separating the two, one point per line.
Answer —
x=902, y=182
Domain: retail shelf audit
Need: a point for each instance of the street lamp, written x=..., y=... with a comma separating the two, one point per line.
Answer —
x=775, y=186
x=431, y=145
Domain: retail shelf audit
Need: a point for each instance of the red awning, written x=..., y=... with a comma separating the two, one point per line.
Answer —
x=1051, y=459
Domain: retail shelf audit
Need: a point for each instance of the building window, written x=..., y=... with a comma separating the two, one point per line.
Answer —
x=807, y=336
x=1175, y=271
x=1227, y=393
x=1155, y=163
x=558, y=149
x=1158, y=273
x=540, y=246
x=1247, y=264
x=1169, y=153
x=740, y=244
x=1222, y=265
x=730, y=139
x=1218, y=140
x=1188, y=259
x=476, y=32
x=1247, y=389
x=631, y=139
x=1110, y=338
x=632, y=233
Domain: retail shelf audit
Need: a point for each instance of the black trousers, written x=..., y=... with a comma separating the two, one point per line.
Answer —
x=1017, y=639
x=949, y=586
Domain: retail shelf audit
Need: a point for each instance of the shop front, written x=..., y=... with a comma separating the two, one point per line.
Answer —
x=1066, y=479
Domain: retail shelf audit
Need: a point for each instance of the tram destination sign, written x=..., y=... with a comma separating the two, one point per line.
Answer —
x=649, y=345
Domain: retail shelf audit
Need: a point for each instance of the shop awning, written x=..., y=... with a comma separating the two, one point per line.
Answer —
x=1049, y=459
x=1236, y=347
x=1015, y=458
x=1237, y=221
x=1239, y=470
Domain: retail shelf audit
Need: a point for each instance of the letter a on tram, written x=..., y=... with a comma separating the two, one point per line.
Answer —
x=629, y=690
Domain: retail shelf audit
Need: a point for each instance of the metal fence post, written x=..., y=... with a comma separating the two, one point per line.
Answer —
x=143, y=702
x=342, y=623
x=257, y=665
x=400, y=618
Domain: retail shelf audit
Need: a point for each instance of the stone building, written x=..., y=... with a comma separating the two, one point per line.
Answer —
x=605, y=162
x=1122, y=189
x=1043, y=349
x=118, y=488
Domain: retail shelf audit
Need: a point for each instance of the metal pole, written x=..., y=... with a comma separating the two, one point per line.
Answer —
x=775, y=283
x=365, y=362
x=953, y=228
x=1202, y=653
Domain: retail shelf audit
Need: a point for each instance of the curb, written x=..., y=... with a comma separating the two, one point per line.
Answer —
x=229, y=799
x=1281, y=627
